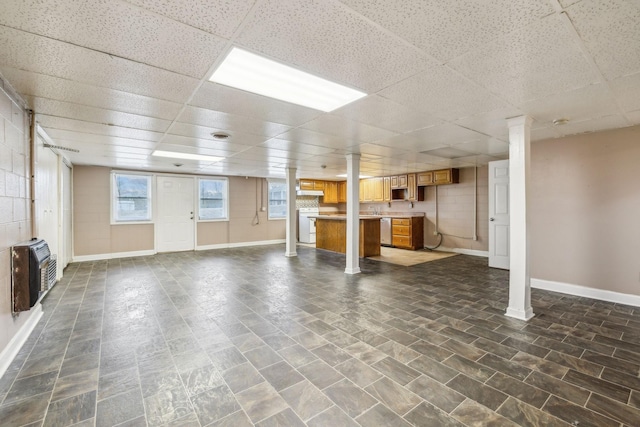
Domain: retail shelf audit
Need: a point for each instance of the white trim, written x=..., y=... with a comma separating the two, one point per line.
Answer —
x=471, y=252
x=583, y=291
x=11, y=350
x=100, y=257
x=240, y=244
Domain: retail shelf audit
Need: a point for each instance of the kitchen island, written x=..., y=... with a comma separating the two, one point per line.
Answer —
x=331, y=234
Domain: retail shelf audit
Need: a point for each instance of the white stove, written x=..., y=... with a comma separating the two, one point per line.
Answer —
x=306, y=225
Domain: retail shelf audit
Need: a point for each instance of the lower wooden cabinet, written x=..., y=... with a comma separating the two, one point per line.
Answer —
x=407, y=233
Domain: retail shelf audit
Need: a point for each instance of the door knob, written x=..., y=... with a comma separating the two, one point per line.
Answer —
x=492, y=219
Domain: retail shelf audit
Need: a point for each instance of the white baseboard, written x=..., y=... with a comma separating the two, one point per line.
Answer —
x=11, y=350
x=101, y=257
x=582, y=291
x=472, y=252
x=240, y=244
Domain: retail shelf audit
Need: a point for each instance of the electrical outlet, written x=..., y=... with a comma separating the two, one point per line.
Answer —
x=263, y=209
x=435, y=233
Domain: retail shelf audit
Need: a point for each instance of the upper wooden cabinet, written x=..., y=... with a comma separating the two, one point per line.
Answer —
x=311, y=184
x=439, y=177
x=330, y=192
x=399, y=181
x=412, y=188
x=386, y=188
x=342, y=192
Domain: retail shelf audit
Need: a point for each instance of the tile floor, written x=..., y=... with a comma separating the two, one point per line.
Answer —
x=243, y=337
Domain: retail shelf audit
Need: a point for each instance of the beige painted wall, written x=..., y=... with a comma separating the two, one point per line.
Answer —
x=93, y=232
x=94, y=235
x=15, y=213
x=455, y=211
x=585, y=210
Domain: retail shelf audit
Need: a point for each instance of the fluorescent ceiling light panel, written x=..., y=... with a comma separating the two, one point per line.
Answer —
x=344, y=175
x=186, y=156
x=253, y=73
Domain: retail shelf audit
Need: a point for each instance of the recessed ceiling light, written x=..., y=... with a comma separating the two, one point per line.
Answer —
x=253, y=73
x=560, y=122
x=344, y=175
x=221, y=136
x=186, y=156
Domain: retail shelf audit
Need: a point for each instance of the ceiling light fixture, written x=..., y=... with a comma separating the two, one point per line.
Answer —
x=253, y=73
x=344, y=175
x=560, y=122
x=220, y=136
x=186, y=156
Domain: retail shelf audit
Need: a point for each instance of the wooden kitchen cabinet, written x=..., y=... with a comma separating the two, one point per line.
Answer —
x=399, y=181
x=342, y=192
x=386, y=188
x=446, y=176
x=377, y=189
x=407, y=233
x=425, y=178
x=330, y=192
x=311, y=184
x=412, y=188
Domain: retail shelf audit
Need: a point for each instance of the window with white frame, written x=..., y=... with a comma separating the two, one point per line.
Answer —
x=213, y=195
x=130, y=197
x=277, y=199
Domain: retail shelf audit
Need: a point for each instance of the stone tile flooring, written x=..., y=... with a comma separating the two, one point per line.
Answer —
x=243, y=337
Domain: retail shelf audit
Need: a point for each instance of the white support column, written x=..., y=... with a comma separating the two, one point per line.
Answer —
x=290, y=250
x=519, y=276
x=353, y=214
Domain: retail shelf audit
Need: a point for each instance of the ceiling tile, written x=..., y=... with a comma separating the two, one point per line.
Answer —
x=529, y=63
x=265, y=153
x=84, y=138
x=221, y=17
x=385, y=114
x=433, y=137
x=209, y=144
x=595, y=125
x=492, y=123
x=349, y=130
x=581, y=104
x=611, y=31
x=204, y=133
x=50, y=122
x=283, y=144
x=44, y=86
x=217, y=97
x=627, y=91
x=224, y=121
x=446, y=29
x=330, y=41
x=48, y=107
x=317, y=138
x=119, y=29
x=181, y=148
x=443, y=93
x=378, y=150
x=488, y=146
x=47, y=56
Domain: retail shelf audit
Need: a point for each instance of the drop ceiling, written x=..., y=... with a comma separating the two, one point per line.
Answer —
x=118, y=79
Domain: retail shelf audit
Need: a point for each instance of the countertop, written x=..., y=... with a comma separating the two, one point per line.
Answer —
x=342, y=217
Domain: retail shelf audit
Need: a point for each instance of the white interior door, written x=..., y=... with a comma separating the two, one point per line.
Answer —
x=499, y=214
x=175, y=221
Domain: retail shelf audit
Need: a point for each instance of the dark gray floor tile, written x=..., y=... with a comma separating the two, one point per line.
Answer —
x=524, y=392
x=155, y=382
x=540, y=365
x=358, y=372
x=474, y=390
x=84, y=362
x=470, y=368
x=436, y=393
x=528, y=416
x=227, y=358
x=200, y=379
x=242, y=377
x=119, y=408
x=166, y=406
x=25, y=411
x=283, y=418
x=333, y=416
x=613, y=409
x=396, y=370
x=305, y=399
x=31, y=386
x=73, y=385
x=78, y=348
x=380, y=415
x=237, y=419
x=432, y=351
x=350, y=398
x=297, y=356
x=505, y=366
x=320, y=374
x=426, y=414
x=398, y=351
x=261, y=357
x=214, y=404
x=473, y=413
x=576, y=415
x=261, y=401
x=558, y=387
x=71, y=410
x=365, y=353
x=393, y=396
x=281, y=375
x=331, y=354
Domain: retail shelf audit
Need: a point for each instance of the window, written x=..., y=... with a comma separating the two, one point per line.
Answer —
x=277, y=199
x=131, y=197
x=213, y=196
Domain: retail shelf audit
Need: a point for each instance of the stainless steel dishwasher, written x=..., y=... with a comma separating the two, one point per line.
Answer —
x=385, y=231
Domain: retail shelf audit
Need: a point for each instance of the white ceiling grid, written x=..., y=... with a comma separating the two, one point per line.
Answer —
x=117, y=79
